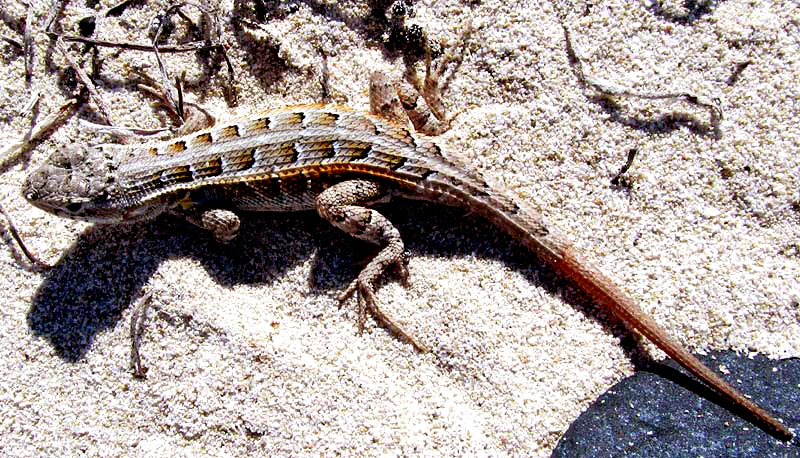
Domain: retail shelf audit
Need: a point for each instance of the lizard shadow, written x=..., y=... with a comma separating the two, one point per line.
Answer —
x=87, y=290
x=427, y=228
x=104, y=272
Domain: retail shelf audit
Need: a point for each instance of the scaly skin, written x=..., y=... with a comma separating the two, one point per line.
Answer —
x=336, y=161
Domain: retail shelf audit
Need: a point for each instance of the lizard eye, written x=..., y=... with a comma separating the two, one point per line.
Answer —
x=32, y=195
x=74, y=207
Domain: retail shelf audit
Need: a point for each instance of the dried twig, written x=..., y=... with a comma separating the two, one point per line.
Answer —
x=13, y=42
x=123, y=132
x=28, y=48
x=55, y=9
x=93, y=94
x=612, y=89
x=138, y=319
x=117, y=9
x=631, y=155
x=36, y=264
x=188, y=47
x=14, y=148
x=212, y=32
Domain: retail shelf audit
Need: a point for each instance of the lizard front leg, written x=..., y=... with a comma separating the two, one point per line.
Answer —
x=344, y=206
x=224, y=224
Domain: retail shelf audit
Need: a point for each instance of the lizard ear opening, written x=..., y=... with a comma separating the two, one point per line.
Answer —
x=74, y=207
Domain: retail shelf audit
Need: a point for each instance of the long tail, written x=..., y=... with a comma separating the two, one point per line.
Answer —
x=526, y=226
x=456, y=184
x=599, y=287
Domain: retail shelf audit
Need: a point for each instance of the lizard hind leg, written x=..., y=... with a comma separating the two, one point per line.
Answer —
x=343, y=205
x=418, y=102
x=423, y=99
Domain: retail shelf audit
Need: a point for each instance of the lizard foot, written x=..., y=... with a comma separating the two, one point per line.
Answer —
x=365, y=297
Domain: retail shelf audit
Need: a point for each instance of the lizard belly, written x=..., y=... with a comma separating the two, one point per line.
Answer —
x=251, y=197
x=271, y=195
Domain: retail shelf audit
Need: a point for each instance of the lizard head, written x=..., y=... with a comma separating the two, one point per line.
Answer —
x=77, y=183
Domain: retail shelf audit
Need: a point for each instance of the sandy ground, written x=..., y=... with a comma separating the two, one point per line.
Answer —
x=246, y=347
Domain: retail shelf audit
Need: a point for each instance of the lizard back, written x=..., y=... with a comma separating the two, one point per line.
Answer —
x=280, y=160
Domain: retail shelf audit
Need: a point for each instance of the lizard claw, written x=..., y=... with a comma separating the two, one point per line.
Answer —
x=344, y=295
x=365, y=298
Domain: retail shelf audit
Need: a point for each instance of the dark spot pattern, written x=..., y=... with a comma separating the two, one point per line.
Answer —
x=176, y=147
x=229, y=132
x=239, y=160
x=322, y=119
x=203, y=139
x=207, y=169
x=258, y=125
x=178, y=174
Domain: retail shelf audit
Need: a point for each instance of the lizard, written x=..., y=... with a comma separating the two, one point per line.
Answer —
x=339, y=162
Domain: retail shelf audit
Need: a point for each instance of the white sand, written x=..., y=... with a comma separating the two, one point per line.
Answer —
x=249, y=353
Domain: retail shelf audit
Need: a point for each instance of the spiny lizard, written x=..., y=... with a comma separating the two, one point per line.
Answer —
x=339, y=162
